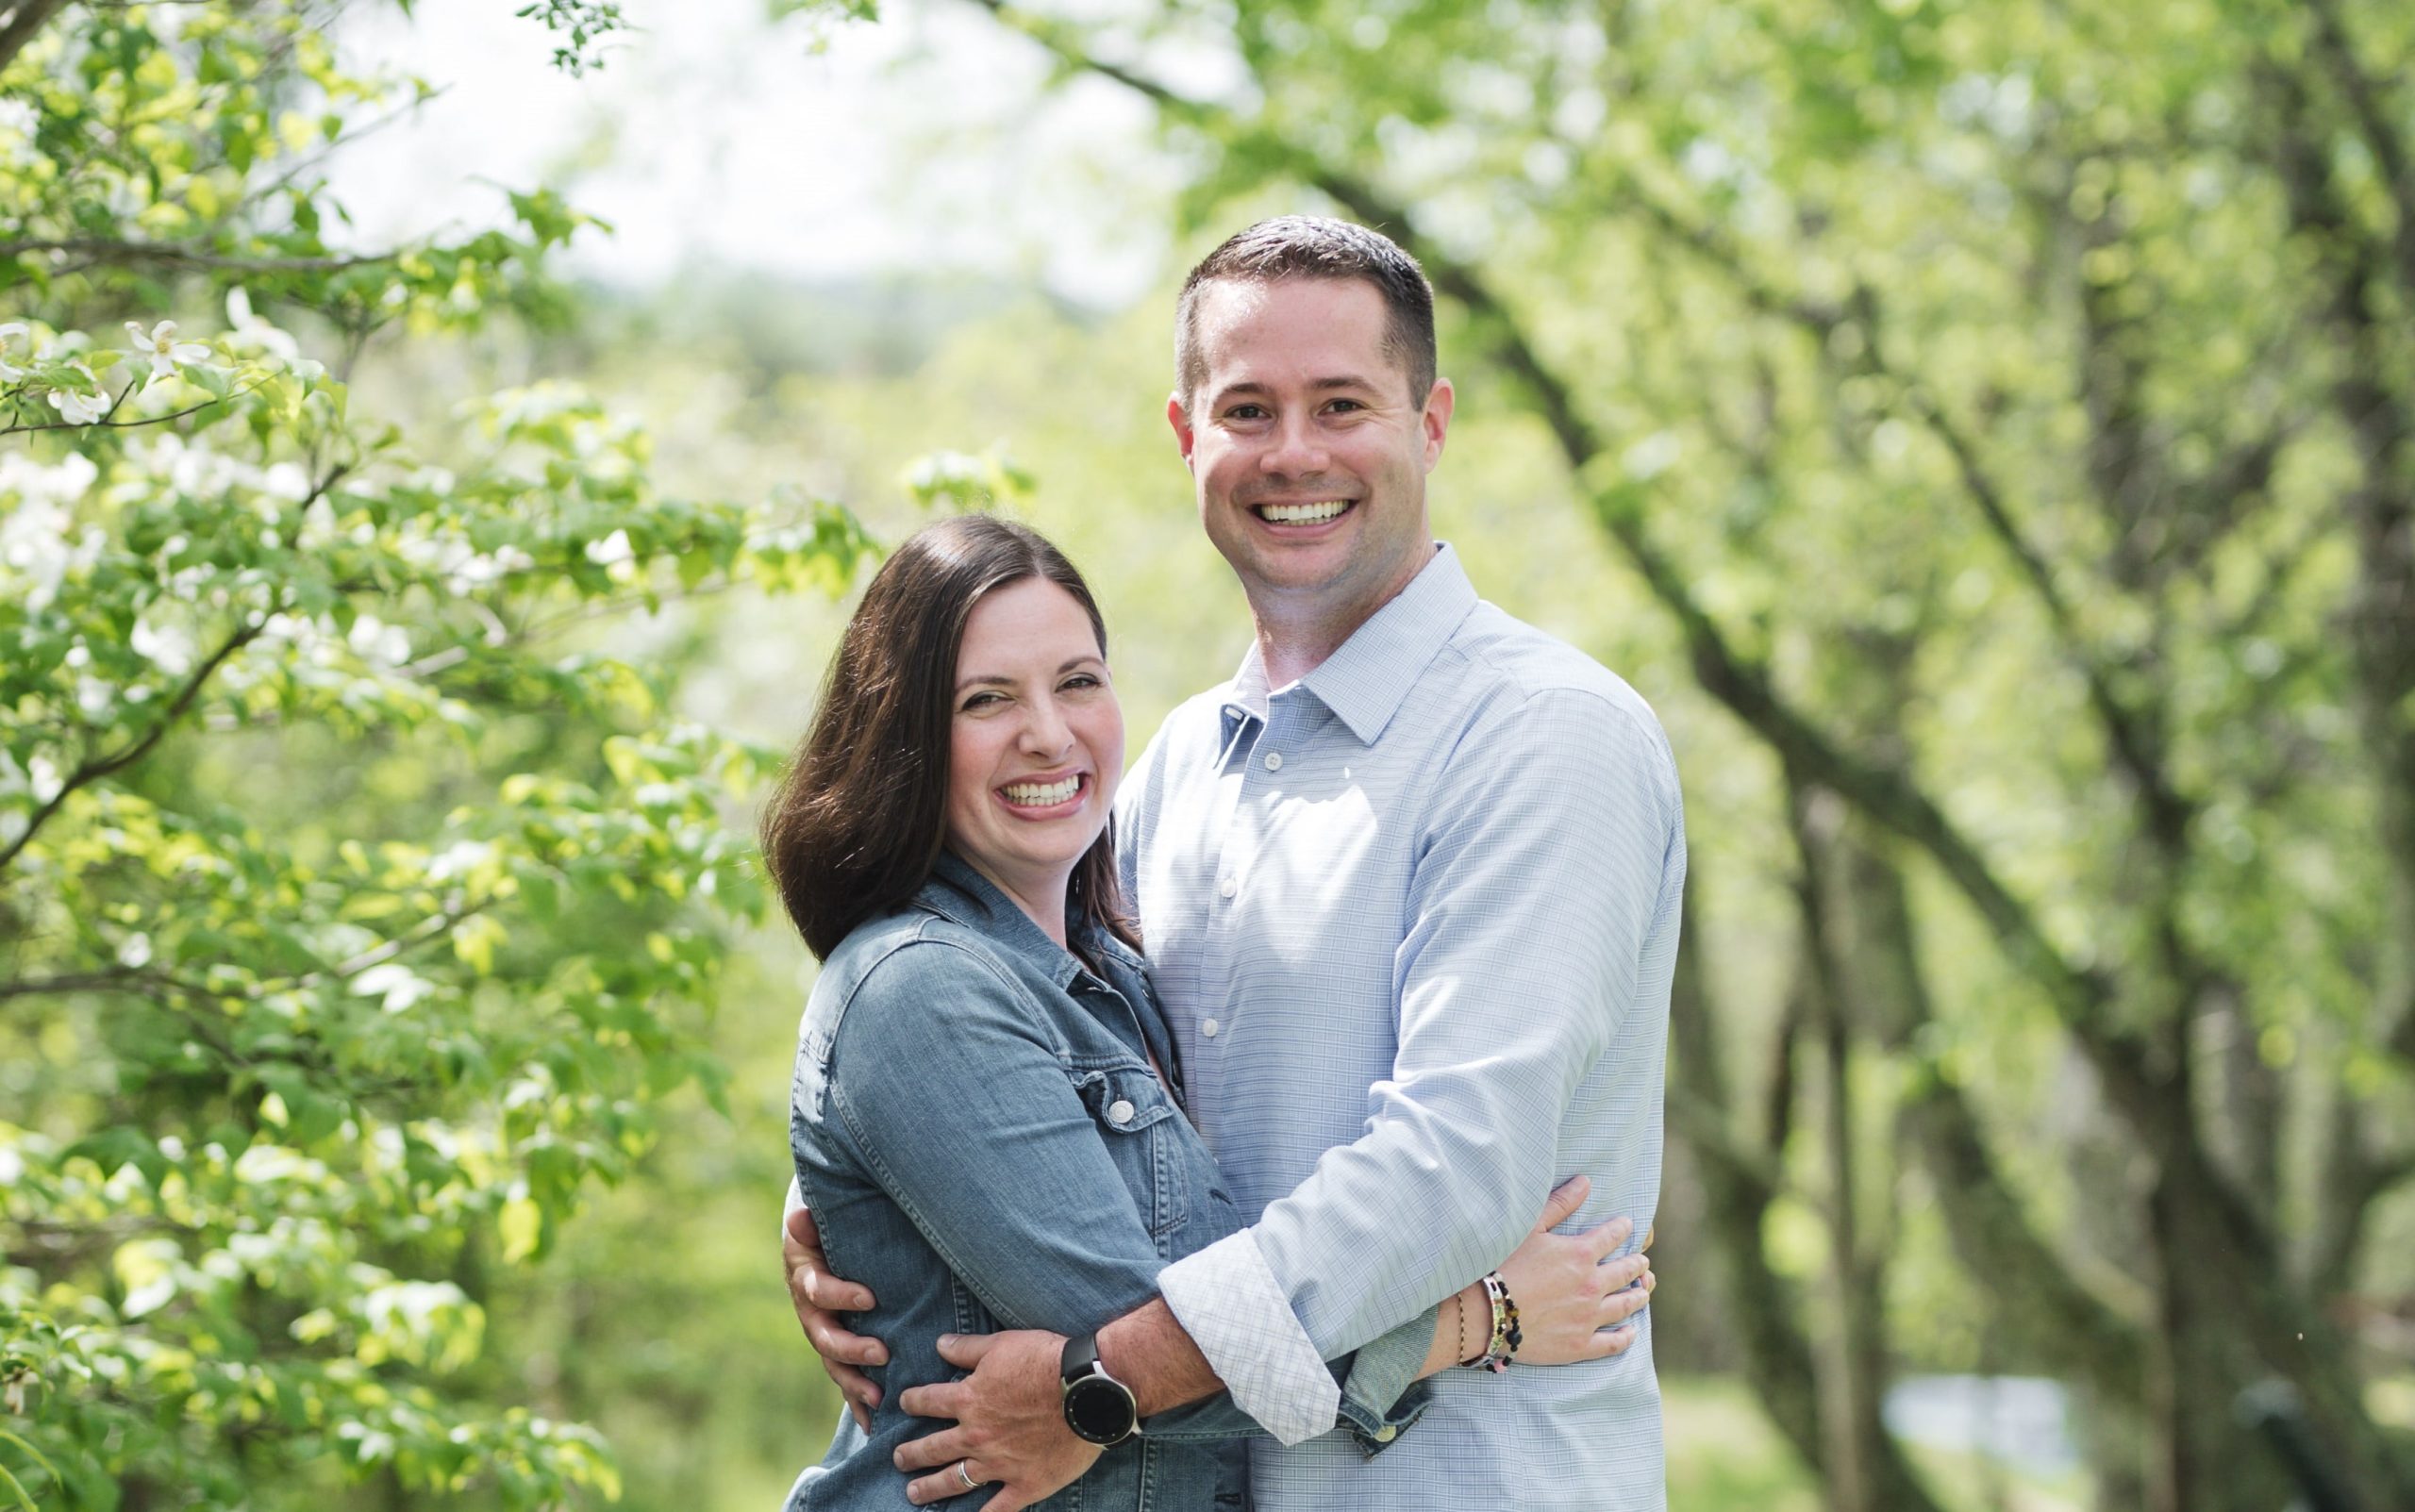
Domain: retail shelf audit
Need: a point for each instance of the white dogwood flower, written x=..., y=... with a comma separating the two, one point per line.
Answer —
x=10, y=335
x=250, y=330
x=81, y=408
x=161, y=346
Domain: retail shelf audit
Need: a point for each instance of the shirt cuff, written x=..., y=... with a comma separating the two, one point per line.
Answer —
x=1227, y=1300
x=795, y=1200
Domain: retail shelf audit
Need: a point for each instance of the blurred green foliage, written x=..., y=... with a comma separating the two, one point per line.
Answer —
x=1979, y=426
x=357, y=908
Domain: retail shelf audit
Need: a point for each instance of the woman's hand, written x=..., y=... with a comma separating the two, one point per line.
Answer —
x=1573, y=1301
x=819, y=1296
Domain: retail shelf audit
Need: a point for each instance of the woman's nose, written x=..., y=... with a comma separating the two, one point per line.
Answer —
x=1045, y=733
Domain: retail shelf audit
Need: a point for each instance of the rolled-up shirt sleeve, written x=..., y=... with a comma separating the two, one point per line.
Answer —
x=1551, y=848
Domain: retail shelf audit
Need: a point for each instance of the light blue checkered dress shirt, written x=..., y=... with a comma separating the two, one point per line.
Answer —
x=1414, y=920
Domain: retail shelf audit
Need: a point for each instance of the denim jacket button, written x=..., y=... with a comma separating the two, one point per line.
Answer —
x=1119, y=1112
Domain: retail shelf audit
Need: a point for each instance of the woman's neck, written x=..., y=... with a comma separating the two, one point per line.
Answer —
x=1042, y=897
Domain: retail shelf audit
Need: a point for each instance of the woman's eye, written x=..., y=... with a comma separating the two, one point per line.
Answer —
x=982, y=700
x=1084, y=679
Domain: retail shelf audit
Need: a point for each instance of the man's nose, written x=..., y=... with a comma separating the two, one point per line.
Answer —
x=1298, y=449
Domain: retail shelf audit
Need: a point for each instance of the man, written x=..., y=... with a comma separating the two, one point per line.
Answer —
x=1410, y=884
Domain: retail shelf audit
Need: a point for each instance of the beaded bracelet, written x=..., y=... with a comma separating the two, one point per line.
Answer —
x=1506, y=1336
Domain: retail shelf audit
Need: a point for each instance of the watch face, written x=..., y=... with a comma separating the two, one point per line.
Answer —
x=1099, y=1409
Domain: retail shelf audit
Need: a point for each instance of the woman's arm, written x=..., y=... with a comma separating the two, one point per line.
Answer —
x=957, y=1104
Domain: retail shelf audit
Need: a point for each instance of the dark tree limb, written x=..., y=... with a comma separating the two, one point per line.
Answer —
x=2366, y=106
x=26, y=19
x=111, y=251
x=92, y=769
x=2083, y=996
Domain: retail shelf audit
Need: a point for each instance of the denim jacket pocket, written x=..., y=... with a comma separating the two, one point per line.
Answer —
x=1132, y=1110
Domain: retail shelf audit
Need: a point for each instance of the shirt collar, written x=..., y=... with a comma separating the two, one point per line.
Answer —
x=1365, y=681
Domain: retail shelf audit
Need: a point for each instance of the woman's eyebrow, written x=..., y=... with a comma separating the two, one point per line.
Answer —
x=994, y=679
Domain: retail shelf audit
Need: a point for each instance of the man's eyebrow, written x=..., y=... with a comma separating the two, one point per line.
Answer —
x=1250, y=388
x=994, y=679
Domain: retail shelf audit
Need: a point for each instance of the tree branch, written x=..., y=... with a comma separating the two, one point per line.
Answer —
x=2083, y=997
x=2363, y=95
x=105, y=250
x=107, y=423
x=26, y=20
x=93, y=769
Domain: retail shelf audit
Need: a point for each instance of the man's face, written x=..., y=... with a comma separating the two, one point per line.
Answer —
x=1309, y=450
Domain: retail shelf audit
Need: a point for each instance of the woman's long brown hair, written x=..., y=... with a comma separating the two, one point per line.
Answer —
x=858, y=821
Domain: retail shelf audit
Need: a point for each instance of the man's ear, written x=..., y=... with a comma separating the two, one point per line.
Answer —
x=1436, y=418
x=1179, y=419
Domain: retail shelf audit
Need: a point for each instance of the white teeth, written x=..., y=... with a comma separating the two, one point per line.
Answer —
x=1304, y=514
x=1035, y=795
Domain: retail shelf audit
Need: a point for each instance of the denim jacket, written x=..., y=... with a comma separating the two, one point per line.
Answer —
x=983, y=1145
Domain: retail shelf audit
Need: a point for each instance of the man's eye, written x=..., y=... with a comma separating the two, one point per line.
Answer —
x=1344, y=406
x=1245, y=412
x=1084, y=679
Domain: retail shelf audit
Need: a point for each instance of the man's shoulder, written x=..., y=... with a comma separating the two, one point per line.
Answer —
x=1523, y=674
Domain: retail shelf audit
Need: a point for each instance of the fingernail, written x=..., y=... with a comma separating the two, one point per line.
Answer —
x=947, y=1341
x=876, y=1355
x=1624, y=1227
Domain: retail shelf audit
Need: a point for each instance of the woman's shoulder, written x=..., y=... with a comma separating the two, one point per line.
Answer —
x=909, y=962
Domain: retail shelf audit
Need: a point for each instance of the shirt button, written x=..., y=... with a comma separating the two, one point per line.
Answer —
x=1210, y=1028
x=1119, y=1112
x=1274, y=760
x=1229, y=885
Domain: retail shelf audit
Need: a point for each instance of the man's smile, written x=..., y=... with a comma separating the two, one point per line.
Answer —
x=1314, y=512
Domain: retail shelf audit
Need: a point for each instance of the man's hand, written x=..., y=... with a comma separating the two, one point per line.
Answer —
x=1573, y=1300
x=819, y=1296
x=1010, y=1421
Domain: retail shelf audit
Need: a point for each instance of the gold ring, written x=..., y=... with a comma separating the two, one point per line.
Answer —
x=964, y=1474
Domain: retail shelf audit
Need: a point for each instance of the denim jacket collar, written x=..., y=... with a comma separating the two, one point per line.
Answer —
x=957, y=892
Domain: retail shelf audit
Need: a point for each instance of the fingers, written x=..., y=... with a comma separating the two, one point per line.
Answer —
x=1606, y=1236
x=862, y=1395
x=945, y=1447
x=838, y=1346
x=803, y=1231
x=812, y=1279
x=942, y=1483
x=1621, y=1305
x=965, y=1349
x=1612, y=1341
x=946, y=1398
x=1564, y=1201
x=1622, y=1273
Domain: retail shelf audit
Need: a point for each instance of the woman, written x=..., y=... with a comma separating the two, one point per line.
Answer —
x=981, y=1119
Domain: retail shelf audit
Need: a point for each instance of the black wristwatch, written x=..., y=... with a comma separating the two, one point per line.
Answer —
x=1098, y=1408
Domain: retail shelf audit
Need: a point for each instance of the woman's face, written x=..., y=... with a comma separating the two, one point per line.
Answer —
x=1036, y=745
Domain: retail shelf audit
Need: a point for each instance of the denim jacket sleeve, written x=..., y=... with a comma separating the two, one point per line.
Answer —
x=958, y=1101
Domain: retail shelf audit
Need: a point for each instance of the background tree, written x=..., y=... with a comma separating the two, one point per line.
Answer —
x=2065, y=358
x=357, y=903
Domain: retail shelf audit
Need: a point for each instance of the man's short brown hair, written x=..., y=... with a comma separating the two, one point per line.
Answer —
x=1308, y=246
